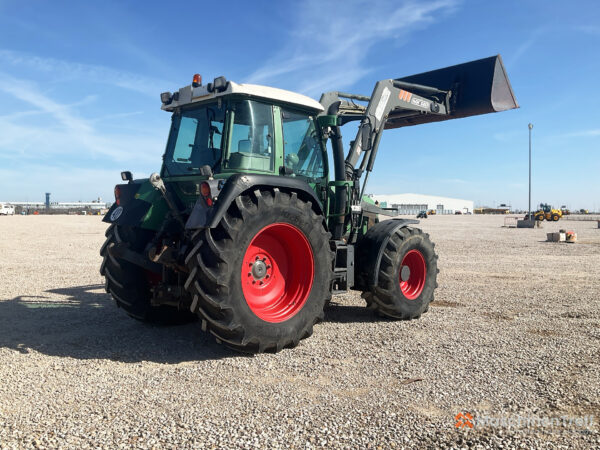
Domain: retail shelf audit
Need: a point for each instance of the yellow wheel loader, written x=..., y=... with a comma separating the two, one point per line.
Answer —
x=546, y=212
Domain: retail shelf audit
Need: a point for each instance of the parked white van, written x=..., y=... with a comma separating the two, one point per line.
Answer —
x=7, y=210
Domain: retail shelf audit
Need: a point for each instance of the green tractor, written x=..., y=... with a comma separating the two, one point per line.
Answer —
x=248, y=229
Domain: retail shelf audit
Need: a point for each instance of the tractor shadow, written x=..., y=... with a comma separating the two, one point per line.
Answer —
x=83, y=322
x=340, y=313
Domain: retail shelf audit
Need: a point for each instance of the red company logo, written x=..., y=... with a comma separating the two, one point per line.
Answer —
x=463, y=420
x=404, y=95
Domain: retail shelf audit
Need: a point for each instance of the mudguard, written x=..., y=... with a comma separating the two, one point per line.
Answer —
x=130, y=210
x=203, y=216
x=369, y=251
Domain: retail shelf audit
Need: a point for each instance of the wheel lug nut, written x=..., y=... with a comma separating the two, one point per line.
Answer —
x=253, y=281
x=268, y=266
x=267, y=276
x=261, y=282
x=249, y=274
x=257, y=258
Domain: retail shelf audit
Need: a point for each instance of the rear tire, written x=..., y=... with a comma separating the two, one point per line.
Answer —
x=555, y=217
x=261, y=278
x=130, y=285
x=407, y=276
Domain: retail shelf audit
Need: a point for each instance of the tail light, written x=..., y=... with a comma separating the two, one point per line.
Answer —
x=205, y=189
x=118, y=195
x=206, y=193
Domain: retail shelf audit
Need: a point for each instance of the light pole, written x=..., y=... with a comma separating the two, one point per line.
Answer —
x=530, y=126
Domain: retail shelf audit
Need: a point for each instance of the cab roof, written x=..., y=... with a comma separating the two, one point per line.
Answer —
x=189, y=95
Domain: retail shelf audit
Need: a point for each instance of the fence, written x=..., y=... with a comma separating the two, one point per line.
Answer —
x=584, y=217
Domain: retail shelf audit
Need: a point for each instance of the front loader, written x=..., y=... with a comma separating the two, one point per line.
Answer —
x=547, y=212
x=247, y=228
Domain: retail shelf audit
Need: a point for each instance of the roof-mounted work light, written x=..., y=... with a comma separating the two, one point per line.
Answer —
x=219, y=84
x=166, y=98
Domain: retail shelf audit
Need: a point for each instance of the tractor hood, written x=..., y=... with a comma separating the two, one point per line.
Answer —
x=478, y=87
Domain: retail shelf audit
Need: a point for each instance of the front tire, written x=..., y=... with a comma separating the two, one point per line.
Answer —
x=407, y=276
x=261, y=278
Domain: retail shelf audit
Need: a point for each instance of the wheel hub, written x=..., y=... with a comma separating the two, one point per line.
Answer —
x=259, y=269
x=405, y=273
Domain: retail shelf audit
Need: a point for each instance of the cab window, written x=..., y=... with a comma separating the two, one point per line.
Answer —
x=251, y=141
x=303, y=153
x=196, y=140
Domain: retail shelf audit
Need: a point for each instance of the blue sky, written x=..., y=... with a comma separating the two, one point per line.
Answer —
x=80, y=84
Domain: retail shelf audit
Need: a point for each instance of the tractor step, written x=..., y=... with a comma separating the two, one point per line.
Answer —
x=343, y=273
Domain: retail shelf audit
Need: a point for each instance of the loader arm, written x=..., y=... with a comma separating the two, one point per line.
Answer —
x=389, y=96
x=473, y=88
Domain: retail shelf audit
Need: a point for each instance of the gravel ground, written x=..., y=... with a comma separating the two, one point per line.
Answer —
x=513, y=332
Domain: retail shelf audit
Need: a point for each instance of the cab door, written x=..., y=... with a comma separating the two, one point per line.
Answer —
x=303, y=152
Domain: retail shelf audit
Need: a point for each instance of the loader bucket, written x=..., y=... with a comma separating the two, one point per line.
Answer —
x=478, y=87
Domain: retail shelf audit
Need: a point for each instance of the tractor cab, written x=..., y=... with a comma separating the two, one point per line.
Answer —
x=225, y=128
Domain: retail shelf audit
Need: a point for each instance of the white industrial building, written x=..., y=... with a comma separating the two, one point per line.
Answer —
x=413, y=203
x=93, y=205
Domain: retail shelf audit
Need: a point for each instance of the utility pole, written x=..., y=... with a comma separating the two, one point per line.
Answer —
x=530, y=126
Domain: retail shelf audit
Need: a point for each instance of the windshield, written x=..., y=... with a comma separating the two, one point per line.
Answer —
x=195, y=140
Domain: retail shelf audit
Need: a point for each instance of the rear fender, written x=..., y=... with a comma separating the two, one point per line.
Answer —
x=204, y=216
x=136, y=201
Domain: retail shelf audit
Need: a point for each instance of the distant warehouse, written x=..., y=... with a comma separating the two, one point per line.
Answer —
x=413, y=203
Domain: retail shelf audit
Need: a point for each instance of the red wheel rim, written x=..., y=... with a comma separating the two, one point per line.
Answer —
x=277, y=272
x=412, y=279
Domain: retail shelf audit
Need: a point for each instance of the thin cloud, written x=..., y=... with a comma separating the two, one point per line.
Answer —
x=589, y=29
x=539, y=33
x=329, y=44
x=509, y=136
x=580, y=133
x=68, y=132
x=524, y=47
x=454, y=181
x=69, y=71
